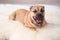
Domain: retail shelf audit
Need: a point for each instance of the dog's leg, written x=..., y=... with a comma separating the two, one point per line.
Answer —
x=12, y=16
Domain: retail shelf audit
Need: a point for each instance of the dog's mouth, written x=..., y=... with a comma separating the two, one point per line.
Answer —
x=38, y=20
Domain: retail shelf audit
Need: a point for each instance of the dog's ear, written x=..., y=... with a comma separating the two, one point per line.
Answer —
x=31, y=7
x=43, y=7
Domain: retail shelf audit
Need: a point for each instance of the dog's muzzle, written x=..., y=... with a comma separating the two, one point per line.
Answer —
x=38, y=18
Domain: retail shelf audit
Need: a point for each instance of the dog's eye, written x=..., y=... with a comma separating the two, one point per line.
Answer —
x=42, y=10
x=34, y=11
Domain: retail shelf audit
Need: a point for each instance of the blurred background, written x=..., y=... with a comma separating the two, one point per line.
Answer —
x=51, y=2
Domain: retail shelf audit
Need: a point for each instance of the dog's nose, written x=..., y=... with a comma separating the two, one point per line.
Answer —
x=39, y=16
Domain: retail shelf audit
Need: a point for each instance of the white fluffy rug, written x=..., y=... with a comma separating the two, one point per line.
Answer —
x=16, y=31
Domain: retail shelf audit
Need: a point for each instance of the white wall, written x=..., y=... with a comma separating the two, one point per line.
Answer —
x=55, y=2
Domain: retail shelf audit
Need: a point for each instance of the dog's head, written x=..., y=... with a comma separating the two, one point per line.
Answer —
x=37, y=14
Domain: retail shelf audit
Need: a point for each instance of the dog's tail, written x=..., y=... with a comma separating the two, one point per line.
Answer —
x=12, y=16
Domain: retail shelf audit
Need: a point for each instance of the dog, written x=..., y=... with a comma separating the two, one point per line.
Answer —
x=35, y=18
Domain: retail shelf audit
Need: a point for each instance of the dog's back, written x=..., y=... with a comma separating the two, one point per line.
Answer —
x=19, y=15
